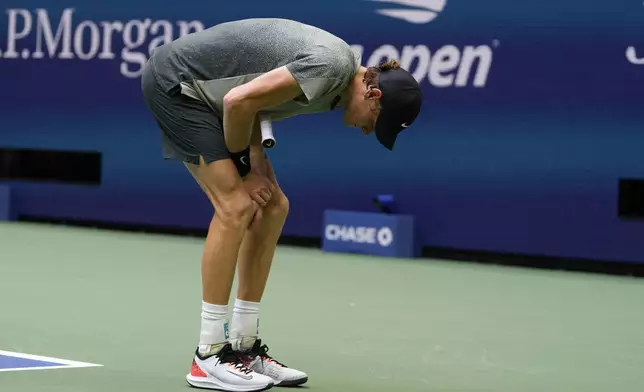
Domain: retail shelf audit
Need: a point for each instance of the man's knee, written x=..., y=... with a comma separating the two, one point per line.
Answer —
x=278, y=207
x=235, y=210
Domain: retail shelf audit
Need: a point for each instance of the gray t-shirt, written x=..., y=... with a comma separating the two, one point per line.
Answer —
x=208, y=64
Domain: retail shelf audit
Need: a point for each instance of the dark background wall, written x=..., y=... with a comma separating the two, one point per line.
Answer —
x=532, y=123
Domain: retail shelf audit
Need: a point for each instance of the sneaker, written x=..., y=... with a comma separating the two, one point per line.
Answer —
x=260, y=362
x=225, y=371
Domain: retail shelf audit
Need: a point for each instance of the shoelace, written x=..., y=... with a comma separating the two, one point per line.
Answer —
x=262, y=352
x=228, y=355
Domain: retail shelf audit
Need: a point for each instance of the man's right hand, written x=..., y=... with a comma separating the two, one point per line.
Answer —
x=259, y=188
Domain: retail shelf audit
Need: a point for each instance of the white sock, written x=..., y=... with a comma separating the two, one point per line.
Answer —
x=245, y=324
x=214, y=327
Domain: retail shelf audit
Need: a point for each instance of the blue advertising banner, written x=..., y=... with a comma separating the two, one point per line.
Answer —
x=533, y=114
x=369, y=233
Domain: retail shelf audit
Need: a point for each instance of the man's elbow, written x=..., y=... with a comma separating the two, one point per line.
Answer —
x=236, y=101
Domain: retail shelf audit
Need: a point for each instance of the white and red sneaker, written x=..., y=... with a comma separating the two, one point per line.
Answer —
x=225, y=371
x=260, y=362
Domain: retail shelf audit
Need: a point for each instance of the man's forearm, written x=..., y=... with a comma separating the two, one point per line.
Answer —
x=257, y=153
x=238, y=124
x=242, y=103
x=256, y=134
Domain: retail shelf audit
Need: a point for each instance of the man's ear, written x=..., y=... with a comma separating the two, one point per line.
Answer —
x=373, y=93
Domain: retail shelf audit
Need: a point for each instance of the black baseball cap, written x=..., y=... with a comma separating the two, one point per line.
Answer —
x=400, y=104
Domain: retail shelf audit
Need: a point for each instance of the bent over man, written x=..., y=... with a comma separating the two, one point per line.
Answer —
x=206, y=91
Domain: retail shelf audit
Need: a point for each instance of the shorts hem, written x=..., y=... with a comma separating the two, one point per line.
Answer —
x=207, y=158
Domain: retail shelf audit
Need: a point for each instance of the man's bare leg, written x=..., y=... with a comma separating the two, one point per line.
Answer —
x=234, y=211
x=259, y=244
x=254, y=263
x=216, y=365
x=258, y=248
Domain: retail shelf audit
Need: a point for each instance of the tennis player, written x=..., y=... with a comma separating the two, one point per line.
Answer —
x=206, y=91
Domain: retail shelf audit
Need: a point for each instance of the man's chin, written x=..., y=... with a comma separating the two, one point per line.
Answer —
x=348, y=121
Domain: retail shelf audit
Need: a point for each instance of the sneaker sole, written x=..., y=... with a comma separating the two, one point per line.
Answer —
x=207, y=384
x=292, y=383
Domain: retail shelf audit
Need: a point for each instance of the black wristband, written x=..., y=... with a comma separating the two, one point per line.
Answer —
x=241, y=160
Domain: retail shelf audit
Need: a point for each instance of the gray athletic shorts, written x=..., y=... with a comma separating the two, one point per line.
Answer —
x=189, y=128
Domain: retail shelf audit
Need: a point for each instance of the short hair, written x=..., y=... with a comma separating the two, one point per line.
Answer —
x=371, y=77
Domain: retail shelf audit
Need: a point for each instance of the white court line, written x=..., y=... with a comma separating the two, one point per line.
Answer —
x=64, y=363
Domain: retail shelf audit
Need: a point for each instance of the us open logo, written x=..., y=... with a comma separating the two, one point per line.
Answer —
x=442, y=67
x=413, y=11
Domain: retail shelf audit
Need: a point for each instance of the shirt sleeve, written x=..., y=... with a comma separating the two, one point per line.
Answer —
x=322, y=70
